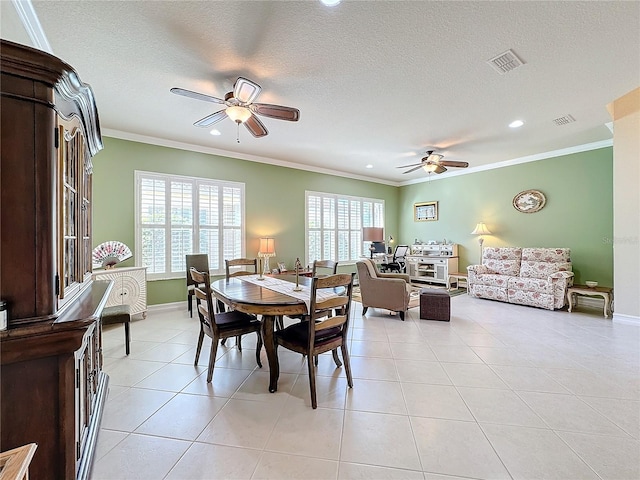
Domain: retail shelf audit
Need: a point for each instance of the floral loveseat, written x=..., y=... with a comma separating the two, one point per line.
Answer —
x=538, y=277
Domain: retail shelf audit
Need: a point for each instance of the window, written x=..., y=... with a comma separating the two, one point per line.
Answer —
x=177, y=215
x=334, y=225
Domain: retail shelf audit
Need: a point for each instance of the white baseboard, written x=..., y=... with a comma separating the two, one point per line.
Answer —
x=626, y=319
x=168, y=306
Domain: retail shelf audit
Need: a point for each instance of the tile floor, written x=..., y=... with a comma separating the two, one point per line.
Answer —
x=501, y=392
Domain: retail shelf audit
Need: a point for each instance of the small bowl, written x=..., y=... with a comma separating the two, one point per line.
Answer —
x=591, y=284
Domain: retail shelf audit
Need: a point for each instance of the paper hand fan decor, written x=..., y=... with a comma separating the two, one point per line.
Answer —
x=109, y=254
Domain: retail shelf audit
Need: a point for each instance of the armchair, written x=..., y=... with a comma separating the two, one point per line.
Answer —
x=383, y=290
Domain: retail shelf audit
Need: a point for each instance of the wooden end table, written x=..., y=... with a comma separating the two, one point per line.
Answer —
x=458, y=276
x=605, y=292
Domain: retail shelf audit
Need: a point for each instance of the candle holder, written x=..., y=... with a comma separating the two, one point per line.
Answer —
x=297, y=266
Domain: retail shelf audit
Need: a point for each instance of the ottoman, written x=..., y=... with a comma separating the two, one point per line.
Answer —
x=435, y=304
x=119, y=314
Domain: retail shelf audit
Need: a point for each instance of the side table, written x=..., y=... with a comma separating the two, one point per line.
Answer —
x=605, y=292
x=458, y=276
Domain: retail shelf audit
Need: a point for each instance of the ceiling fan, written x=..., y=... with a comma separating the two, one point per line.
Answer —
x=240, y=107
x=433, y=163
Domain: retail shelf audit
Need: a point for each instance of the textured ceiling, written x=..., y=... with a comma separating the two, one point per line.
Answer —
x=376, y=82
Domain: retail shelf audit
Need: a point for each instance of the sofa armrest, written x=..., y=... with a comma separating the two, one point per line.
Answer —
x=477, y=269
x=561, y=275
x=564, y=277
x=402, y=276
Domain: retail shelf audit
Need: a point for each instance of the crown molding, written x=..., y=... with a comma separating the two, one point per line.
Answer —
x=32, y=24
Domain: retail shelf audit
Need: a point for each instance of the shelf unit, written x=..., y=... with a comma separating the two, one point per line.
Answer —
x=432, y=263
x=52, y=387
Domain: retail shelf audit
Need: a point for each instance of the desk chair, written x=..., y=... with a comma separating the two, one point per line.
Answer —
x=322, y=333
x=220, y=325
x=200, y=262
x=398, y=264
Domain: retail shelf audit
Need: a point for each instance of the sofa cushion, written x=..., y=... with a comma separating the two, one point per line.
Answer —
x=542, y=269
x=492, y=279
x=554, y=255
x=503, y=261
x=530, y=285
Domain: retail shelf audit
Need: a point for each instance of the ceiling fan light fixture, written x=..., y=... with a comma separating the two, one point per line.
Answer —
x=434, y=157
x=430, y=167
x=238, y=114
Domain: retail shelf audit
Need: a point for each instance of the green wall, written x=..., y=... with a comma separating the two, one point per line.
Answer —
x=275, y=199
x=578, y=213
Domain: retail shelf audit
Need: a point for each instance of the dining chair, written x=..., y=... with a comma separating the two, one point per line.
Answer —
x=324, y=265
x=322, y=333
x=319, y=266
x=220, y=325
x=232, y=264
x=240, y=262
x=199, y=261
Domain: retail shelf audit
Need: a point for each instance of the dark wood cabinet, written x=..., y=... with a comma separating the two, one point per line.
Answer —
x=52, y=384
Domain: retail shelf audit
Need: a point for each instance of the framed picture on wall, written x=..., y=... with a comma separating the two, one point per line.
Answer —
x=425, y=212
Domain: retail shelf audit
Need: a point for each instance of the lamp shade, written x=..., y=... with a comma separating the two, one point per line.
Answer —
x=373, y=234
x=267, y=247
x=481, y=229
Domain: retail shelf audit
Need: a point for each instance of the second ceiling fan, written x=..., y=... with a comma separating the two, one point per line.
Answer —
x=433, y=163
x=240, y=107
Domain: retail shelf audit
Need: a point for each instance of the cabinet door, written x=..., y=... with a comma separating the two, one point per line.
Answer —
x=74, y=207
x=441, y=272
x=85, y=389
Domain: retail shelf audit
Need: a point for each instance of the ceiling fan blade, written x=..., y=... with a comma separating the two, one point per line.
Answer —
x=211, y=119
x=256, y=127
x=196, y=95
x=414, y=169
x=440, y=169
x=412, y=165
x=276, y=111
x=245, y=91
x=452, y=163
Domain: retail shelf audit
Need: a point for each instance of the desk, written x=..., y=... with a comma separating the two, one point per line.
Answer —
x=251, y=298
x=605, y=292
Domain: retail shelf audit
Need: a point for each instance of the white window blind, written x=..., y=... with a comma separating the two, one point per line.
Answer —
x=334, y=225
x=205, y=216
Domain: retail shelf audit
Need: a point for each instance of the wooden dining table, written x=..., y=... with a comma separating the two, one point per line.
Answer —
x=258, y=300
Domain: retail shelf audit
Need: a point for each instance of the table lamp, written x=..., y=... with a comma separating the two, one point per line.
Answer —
x=373, y=234
x=266, y=251
x=481, y=229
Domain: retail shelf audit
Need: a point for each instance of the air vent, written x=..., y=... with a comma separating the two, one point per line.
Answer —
x=505, y=62
x=564, y=120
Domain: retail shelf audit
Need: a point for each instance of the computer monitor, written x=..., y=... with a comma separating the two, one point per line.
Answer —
x=378, y=247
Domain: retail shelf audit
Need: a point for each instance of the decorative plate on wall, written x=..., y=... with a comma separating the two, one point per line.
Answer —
x=529, y=201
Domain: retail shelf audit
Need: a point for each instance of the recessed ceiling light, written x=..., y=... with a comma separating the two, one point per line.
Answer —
x=369, y=166
x=215, y=132
x=330, y=3
x=516, y=124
